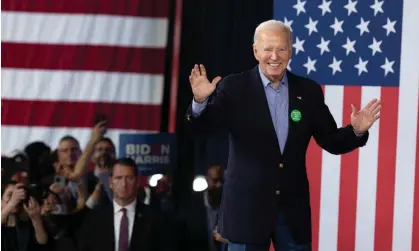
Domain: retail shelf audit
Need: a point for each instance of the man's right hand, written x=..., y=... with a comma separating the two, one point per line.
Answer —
x=201, y=87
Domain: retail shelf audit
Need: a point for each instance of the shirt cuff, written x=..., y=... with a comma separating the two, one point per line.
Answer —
x=358, y=134
x=197, y=108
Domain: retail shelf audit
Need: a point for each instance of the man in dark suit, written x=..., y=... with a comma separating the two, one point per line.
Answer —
x=198, y=215
x=271, y=115
x=127, y=223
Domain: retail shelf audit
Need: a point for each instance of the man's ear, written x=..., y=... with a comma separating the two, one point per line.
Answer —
x=255, y=50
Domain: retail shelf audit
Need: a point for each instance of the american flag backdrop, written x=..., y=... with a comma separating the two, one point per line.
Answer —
x=63, y=62
x=359, y=50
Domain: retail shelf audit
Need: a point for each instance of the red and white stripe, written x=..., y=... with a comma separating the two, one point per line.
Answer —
x=369, y=199
x=65, y=61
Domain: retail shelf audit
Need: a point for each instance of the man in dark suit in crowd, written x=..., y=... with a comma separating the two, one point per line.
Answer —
x=199, y=214
x=126, y=223
x=271, y=115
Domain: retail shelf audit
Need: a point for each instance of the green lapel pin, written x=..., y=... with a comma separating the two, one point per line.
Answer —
x=296, y=115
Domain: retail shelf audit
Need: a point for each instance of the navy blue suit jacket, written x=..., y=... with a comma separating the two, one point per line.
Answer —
x=259, y=179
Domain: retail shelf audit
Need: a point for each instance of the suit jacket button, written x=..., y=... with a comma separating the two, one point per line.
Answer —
x=188, y=117
x=281, y=165
x=277, y=192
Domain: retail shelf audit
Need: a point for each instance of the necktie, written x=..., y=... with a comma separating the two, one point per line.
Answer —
x=123, y=232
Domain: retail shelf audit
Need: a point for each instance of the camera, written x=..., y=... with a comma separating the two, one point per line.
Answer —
x=15, y=170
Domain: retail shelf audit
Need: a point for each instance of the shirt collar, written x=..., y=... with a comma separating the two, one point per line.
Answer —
x=266, y=81
x=130, y=207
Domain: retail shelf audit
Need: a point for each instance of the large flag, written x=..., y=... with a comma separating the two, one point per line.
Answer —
x=360, y=50
x=64, y=62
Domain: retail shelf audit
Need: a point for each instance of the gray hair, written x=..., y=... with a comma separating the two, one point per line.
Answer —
x=272, y=25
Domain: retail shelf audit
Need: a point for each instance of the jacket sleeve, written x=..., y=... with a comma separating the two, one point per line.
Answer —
x=215, y=113
x=325, y=131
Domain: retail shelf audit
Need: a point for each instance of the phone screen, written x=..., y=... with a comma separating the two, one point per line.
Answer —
x=60, y=181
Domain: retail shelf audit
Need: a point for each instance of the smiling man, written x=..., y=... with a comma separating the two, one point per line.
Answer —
x=271, y=115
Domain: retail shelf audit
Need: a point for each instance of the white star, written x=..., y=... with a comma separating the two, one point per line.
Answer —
x=361, y=66
x=323, y=46
x=351, y=7
x=375, y=46
x=335, y=65
x=389, y=26
x=377, y=7
x=298, y=45
x=337, y=26
x=310, y=65
x=288, y=23
x=388, y=67
x=349, y=46
x=325, y=7
x=363, y=26
x=300, y=7
x=289, y=65
x=311, y=26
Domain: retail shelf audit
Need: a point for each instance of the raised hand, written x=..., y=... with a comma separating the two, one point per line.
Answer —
x=363, y=119
x=33, y=209
x=99, y=130
x=201, y=87
x=18, y=195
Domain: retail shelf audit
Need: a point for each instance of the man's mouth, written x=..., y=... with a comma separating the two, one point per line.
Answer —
x=274, y=65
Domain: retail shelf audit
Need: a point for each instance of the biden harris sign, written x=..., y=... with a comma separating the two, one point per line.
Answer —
x=152, y=153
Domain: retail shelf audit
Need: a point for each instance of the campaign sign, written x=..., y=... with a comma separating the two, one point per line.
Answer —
x=152, y=153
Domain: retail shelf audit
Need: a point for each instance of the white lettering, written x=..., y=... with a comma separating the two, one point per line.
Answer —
x=151, y=159
x=144, y=149
x=165, y=149
x=139, y=149
x=130, y=149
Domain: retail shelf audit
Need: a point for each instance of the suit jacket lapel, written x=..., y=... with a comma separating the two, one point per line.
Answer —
x=264, y=114
x=294, y=103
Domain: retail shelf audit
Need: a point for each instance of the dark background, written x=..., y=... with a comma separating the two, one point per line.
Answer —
x=218, y=34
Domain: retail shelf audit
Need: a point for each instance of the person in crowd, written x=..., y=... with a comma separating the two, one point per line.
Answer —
x=73, y=162
x=271, y=115
x=60, y=226
x=199, y=214
x=40, y=169
x=22, y=227
x=104, y=153
x=126, y=223
x=161, y=195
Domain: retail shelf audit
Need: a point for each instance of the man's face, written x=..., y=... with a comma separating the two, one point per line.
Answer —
x=215, y=186
x=214, y=177
x=68, y=152
x=102, y=149
x=123, y=182
x=273, y=51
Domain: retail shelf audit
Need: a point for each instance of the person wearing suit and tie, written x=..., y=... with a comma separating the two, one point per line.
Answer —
x=127, y=223
x=271, y=115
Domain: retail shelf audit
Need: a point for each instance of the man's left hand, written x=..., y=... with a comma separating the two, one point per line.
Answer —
x=363, y=119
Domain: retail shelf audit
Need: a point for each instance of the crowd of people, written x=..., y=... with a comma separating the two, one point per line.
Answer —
x=88, y=199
